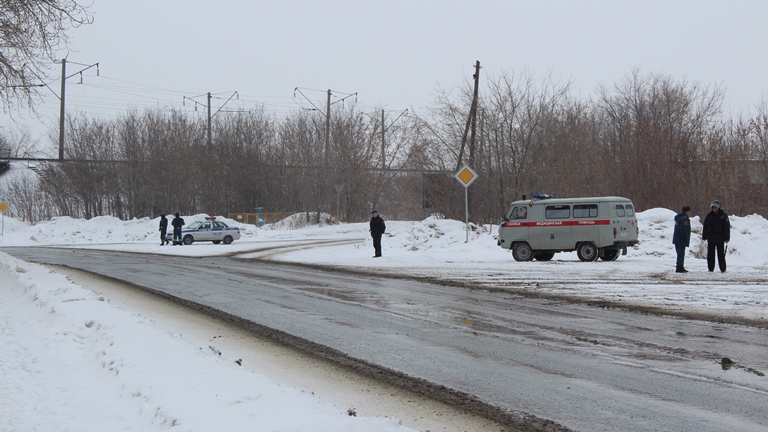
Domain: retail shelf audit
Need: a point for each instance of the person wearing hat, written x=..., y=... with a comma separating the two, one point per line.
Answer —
x=681, y=237
x=717, y=232
x=163, y=229
x=177, y=223
x=377, y=230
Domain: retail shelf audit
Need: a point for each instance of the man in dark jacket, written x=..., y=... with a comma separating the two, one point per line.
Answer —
x=177, y=223
x=163, y=229
x=717, y=232
x=681, y=238
x=377, y=229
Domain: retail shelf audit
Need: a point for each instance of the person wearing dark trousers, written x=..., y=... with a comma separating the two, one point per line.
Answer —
x=681, y=237
x=163, y=229
x=377, y=230
x=177, y=223
x=717, y=233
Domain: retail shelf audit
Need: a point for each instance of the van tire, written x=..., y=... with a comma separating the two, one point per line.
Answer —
x=522, y=252
x=544, y=256
x=610, y=254
x=587, y=251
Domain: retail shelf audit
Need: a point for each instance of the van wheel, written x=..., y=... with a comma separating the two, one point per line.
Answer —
x=610, y=254
x=587, y=251
x=522, y=252
x=543, y=256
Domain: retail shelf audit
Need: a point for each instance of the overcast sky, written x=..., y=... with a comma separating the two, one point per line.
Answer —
x=396, y=53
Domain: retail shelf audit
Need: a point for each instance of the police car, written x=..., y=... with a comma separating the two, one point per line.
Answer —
x=208, y=230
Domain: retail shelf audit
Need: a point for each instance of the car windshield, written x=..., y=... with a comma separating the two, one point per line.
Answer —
x=195, y=225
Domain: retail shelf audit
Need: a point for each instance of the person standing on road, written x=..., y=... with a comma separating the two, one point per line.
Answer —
x=163, y=229
x=681, y=238
x=177, y=223
x=717, y=232
x=377, y=230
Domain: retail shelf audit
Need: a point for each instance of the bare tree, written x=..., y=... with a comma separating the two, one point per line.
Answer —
x=31, y=34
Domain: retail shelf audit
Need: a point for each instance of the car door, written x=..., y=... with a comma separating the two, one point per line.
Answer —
x=204, y=232
x=218, y=230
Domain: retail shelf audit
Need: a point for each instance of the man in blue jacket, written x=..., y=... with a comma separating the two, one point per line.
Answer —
x=681, y=238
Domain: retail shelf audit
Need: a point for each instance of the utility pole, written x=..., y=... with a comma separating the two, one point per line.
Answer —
x=470, y=119
x=328, y=128
x=209, y=118
x=383, y=160
x=474, y=115
x=62, y=110
x=62, y=98
x=383, y=139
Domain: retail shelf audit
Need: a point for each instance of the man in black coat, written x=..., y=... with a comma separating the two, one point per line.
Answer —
x=177, y=223
x=377, y=229
x=717, y=232
x=681, y=238
x=163, y=229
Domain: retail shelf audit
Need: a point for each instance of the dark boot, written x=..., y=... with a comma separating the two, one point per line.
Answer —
x=681, y=270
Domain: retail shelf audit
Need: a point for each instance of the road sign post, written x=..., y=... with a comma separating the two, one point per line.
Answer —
x=3, y=208
x=466, y=176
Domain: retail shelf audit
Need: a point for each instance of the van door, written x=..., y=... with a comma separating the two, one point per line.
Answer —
x=587, y=226
x=625, y=223
x=516, y=227
x=556, y=228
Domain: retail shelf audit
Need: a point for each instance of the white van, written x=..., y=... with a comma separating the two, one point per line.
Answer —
x=595, y=228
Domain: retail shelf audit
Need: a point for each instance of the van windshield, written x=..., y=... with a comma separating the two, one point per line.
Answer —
x=620, y=210
x=630, y=210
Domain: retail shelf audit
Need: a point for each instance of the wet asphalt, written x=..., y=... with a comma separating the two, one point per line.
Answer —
x=543, y=364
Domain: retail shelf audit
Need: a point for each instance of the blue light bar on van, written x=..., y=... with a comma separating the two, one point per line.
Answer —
x=543, y=196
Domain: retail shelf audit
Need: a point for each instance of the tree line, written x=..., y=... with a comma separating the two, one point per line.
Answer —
x=659, y=141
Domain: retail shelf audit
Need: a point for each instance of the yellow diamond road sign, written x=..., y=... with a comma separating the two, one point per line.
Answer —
x=466, y=176
x=3, y=207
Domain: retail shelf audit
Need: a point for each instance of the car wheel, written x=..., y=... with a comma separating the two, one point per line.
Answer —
x=522, y=252
x=216, y=241
x=188, y=239
x=227, y=239
x=610, y=254
x=587, y=251
x=543, y=256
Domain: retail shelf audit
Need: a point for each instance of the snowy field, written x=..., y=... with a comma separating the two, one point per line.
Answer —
x=74, y=362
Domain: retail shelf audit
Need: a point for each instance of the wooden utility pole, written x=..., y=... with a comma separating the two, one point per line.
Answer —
x=473, y=111
x=470, y=121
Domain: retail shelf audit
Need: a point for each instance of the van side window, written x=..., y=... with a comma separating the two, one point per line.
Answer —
x=520, y=212
x=620, y=210
x=585, y=210
x=558, y=212
x=630, y=210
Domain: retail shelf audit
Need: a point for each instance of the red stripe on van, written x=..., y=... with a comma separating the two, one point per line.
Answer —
x=557, y=223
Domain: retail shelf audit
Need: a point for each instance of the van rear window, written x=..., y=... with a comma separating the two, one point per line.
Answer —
x=585, y=210
x=558, y=212
x=630, y=210
x=620, y=210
